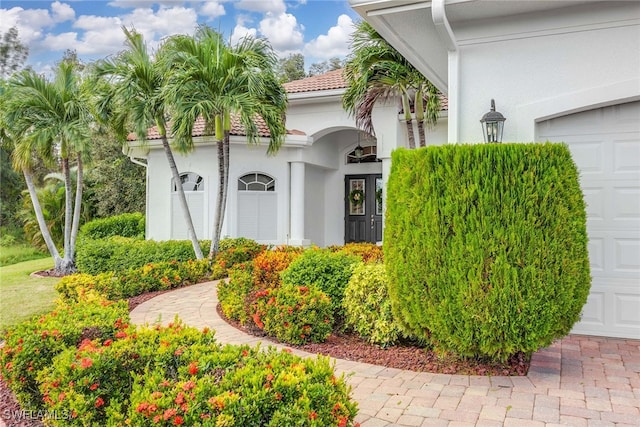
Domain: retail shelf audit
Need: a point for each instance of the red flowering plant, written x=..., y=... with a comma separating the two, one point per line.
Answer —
x=93, y=382
x=243, y=386
x=368, y=252
x=30, y=346
x=296, y=314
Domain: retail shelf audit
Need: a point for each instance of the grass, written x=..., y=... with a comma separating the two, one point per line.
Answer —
x=21, y=295
x=18, y=253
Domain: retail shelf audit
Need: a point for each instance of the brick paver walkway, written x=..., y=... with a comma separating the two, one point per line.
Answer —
x=578, y=381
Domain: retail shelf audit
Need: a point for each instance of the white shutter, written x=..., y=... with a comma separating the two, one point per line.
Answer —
x=257, y=215
x=195, y=201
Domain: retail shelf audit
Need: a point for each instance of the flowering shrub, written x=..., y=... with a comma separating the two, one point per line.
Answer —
x=243, y=386
x=295, y=314
x=368, y=252
x=233, y=293
x=148, y=278
x=269, y=264
x=327, y=270
x=93, y=382
x=30, y=346
x=367, y=307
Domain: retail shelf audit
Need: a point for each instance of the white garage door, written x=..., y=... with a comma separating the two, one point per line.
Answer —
x=605, y=144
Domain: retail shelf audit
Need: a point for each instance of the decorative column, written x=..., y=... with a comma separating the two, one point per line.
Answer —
x=296, y=236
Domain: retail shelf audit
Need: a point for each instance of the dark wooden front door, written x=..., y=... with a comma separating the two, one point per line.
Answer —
x=363, y=218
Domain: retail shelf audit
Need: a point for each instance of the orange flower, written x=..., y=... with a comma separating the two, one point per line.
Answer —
x=342, y=422
x=93, y=386
x=313, y=415
x=169, y=413
x=121, y=334
x=188, y=385
x=107, y=343
x=193, y=368
x=86, y=362
x=178, y=420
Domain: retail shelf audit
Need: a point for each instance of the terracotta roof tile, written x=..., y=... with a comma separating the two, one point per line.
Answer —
x=327, y=81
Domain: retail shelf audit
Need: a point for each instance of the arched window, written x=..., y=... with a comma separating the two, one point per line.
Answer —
x=256, y=182
x=190, y=182
x=257, y=213
x=193, y=186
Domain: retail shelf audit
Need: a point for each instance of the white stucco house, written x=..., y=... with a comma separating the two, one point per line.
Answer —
x=300, y=195
x=560, y=71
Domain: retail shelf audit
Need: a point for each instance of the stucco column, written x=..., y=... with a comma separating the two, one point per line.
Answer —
x=297, y=205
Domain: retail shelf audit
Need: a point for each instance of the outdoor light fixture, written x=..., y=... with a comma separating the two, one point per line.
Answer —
x=359, y=151
x=492, y=124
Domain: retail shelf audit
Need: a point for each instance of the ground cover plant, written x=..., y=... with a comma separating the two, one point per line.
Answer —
x=486, y=246
x=84, y=361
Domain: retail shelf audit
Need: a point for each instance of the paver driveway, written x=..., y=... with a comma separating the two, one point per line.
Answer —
x=578, y=381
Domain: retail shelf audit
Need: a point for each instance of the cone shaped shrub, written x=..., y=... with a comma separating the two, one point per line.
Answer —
x=486, y=246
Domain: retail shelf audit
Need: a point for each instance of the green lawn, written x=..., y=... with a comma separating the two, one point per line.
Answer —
x=21, y=295
x=18, y=253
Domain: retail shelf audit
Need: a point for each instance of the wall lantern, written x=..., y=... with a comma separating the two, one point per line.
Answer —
x=358, y=151
x=492, y=124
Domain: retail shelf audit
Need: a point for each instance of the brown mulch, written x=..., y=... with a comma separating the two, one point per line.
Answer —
x=342, y=346
x=404, y=355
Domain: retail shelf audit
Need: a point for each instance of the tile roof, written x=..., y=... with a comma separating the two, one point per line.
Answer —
x=327, y=81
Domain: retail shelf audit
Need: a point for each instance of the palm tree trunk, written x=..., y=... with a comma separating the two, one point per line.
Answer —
x=68, y=206
x=421, y=134
x=46, y=235
x=77, y=210
x=183, y=199
x=217, y=221
x=408, y=120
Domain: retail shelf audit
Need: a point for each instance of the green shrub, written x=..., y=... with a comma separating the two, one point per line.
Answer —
x=148, y=278
x=120, y=253
x=30, y=346
x=486, y=246
x=124, y=225
x=233, y=293
x=295, y=314
x=367, y=307
x=327, y=270
x=238, y=250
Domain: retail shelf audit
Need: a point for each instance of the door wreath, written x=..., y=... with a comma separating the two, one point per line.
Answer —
x=356, y=197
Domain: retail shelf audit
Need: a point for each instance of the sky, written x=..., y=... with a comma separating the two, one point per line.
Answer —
x=319, y=29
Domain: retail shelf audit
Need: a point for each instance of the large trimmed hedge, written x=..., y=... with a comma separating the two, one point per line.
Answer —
x=486, y=246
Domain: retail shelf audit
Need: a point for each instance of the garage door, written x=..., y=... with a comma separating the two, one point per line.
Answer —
x=605, y=144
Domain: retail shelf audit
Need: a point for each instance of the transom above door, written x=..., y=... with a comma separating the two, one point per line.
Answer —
x=363, y=208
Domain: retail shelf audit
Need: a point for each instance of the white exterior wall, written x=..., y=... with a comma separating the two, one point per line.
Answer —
x=543, y=65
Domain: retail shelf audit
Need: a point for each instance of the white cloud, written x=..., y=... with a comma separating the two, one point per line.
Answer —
x=240, y=31
x=334, y=43
x=30, y=22
x=212, y=9
x=283, y=32
x=62, y=12
x=262, y=6
x=130, y=4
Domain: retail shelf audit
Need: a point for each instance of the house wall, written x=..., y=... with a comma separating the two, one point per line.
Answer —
x=550, y=63
x=203, y=161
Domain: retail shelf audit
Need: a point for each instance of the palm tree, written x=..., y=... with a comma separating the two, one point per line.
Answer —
x=215, y=81
x=375, y=71
x=134, y=98
x=51, y=119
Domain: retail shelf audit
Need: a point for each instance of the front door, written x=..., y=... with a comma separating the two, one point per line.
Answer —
x=363, y=208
